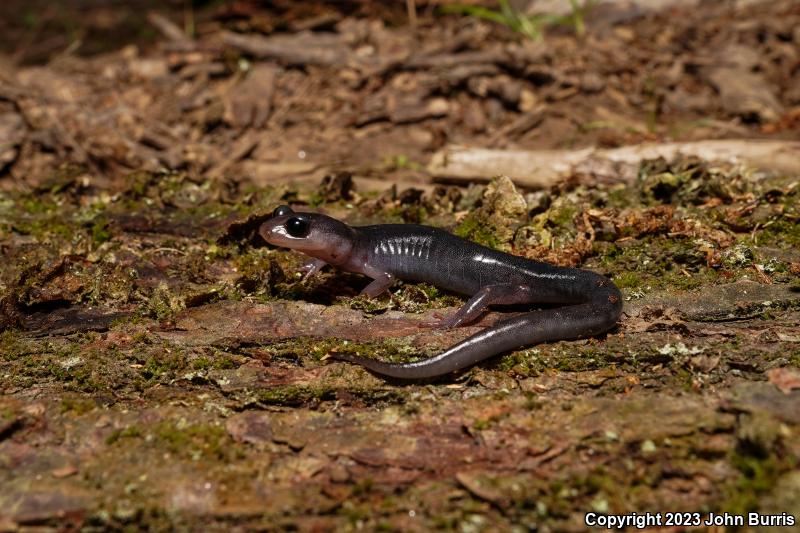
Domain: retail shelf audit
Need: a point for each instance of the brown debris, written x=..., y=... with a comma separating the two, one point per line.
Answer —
x=742, y=91
x=460, y=83
x=249, y=103
x=252, y=427
x=337, y=186
x=785, y=378
x=240, y=149
x=12, y=132
x=480, y=487
x=10, y=312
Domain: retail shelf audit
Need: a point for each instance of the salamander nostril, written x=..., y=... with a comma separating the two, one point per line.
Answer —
x=297, y=227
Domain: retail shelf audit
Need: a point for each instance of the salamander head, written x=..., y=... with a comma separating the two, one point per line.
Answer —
x=319, y=236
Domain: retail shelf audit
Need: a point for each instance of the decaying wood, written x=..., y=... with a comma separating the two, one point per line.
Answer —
x=543, y=168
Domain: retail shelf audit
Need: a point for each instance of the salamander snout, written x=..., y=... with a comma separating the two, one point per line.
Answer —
x=287, y=230
x=314, y=234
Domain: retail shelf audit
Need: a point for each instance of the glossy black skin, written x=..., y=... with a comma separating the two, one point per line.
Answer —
x=592, y=303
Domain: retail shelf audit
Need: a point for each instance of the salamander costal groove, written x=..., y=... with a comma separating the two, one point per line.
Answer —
x=590, y=304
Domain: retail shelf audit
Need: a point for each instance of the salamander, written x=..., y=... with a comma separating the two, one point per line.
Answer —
x=589, y=303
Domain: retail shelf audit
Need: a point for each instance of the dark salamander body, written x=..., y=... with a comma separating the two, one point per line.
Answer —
x=591, y=302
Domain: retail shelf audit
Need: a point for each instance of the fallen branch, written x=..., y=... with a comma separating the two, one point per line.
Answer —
x=168, y=29
x=542, y=168
x=304, y=48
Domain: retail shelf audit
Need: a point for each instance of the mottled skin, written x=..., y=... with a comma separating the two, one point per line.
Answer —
x=591, y=302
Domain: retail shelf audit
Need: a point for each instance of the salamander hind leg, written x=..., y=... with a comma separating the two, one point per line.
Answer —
x=501, y=294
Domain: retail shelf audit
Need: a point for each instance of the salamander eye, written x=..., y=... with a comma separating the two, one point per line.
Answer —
x=297, y=227
x=282, y=210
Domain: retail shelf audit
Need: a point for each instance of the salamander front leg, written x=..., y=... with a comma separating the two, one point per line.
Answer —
x=312, y=267
x=379, y=285
x=489, y=295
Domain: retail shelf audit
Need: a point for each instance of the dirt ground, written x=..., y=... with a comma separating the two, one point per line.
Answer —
x=162, y=368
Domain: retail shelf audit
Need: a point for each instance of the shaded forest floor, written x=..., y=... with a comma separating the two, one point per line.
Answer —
x=161, y=366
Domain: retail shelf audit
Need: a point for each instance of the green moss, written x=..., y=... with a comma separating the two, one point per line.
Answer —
x=402, y=162
x=481, y=424
x=182, y=439
x=563, y=215
x=195, y=440
x=76, y=365
x=46, y=227
x=659, y=262
x=406, y=214
x=662, y=187
x=224, y=363
x=295, y=395
x=218, y=362
x=369, y=305
x=688, y=181
x=621, y=196
x=315, y=199
x=394, y=350
x=163, y=303
x=680, y=281
x=476, y=230
x=77, y=406
x=12, y=345
x=326, y=389
x=100, y=232
x=420, y=297
x=783, y=231
x=794, y=358
x=37, y=205
x=758, y=477
x=738, y=256
x=139, y=182
x=163, y=363
x=202, y=363
x=6, y=415
x=129, y=432
x=60, y=360
x=628, y=280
